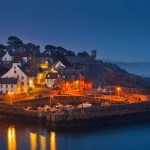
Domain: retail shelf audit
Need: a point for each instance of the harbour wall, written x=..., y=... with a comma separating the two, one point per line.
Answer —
x=72, y=100
x=78, y=116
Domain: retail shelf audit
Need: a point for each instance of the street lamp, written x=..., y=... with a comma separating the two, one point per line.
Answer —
x=10, y=94
x=118, y=91
x=51, y=98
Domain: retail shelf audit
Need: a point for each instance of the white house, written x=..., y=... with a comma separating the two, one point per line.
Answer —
x=50, y=79
x=7, y=57
x=22, y=79
x=59, y=65
x=9, y=85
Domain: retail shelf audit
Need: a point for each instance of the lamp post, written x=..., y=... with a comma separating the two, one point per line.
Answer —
x=10, y=94
x=51, y=98
x=118, y=91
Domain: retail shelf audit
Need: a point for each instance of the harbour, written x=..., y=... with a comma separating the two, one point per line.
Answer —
x=83, y=116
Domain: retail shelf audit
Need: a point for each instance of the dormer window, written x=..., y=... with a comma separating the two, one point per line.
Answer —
x=15, y=72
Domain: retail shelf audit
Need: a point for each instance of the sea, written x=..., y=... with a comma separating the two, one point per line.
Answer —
x=27, y=136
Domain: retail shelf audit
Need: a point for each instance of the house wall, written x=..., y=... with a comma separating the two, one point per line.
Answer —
x=50, y=83
x=7, y=88
x=16, y=72
x=59, y=65
x=7, y=57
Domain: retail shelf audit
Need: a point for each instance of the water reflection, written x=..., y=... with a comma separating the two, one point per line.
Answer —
x=52, y=141
x=42, y=142
x=33, y=141
x=11, y=138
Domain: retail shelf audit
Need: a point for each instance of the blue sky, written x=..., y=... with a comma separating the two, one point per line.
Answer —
x=118, y=29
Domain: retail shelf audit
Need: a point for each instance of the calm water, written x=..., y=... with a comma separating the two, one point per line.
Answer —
x=19, y=136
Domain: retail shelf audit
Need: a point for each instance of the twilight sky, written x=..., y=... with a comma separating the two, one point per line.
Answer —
x=118, y=29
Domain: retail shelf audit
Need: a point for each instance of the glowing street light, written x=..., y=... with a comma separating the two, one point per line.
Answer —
x=118, y=91
x=52, y=69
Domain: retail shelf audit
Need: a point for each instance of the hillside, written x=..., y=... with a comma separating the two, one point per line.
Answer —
x=139, y=68
x=110, y=74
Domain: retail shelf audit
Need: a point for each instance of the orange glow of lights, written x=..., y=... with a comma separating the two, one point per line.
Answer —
x=33, y=141
x=52, y=69
x=12, y=138
x=53, y=141
x=118, y=88
x=42, y=142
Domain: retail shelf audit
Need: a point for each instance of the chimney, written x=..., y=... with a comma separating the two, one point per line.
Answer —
x=93, y=53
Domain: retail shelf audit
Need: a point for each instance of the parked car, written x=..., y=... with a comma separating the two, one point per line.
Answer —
x=90, y=95
x=40, y=109
x=47, y=108
x=59, y=106
x=105, y=104
x=54, y=110
x=68, y=107
x=38, y=96
x=84, y=105
x=28, y=108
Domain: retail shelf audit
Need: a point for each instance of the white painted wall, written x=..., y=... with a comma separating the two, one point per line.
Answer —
x=5, y=88
x=59, y=65
x=50, y=83
x=7, y=57
x=16, y=72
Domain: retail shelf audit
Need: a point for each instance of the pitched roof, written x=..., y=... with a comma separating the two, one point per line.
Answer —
x=8, y=80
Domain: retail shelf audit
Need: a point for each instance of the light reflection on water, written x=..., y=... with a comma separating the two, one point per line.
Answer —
x=37, y=141
x=11, y=138
x=19, y=136
x=33, y=141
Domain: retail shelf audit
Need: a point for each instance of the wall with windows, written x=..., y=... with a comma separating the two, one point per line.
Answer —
x=16, y=72
x=8, y=88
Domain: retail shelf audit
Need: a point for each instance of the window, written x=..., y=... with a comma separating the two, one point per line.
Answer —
x=22, y=83
x=12, y=86
x=15, y=71
x=1, y=86
x=6, y=86
x=22, y=77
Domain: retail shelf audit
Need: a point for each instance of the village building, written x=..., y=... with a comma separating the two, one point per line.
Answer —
x=74, y=79
x=6, y=60
x=83, y=60
x=59, y=65
x=19, y=78
x=51, y=80
x=9, y=85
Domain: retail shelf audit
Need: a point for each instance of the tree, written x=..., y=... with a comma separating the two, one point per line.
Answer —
x=2, y=47
x=49, y=47
x=70, y=53
x=83, y=54
x=14, y=40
